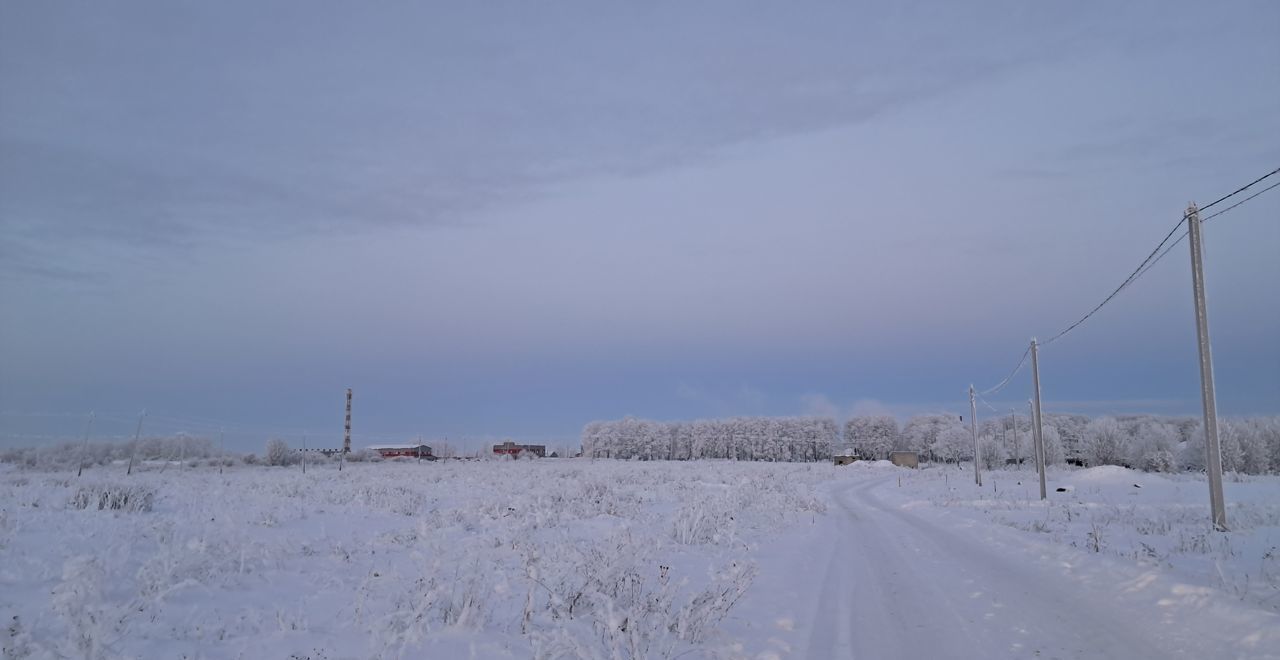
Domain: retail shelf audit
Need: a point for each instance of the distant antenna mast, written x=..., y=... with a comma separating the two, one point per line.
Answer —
x=346, y=442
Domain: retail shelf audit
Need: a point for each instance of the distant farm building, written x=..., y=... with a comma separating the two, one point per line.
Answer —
x=845, y=457
x=509, y=448
x=404, y=451
x=908, y=459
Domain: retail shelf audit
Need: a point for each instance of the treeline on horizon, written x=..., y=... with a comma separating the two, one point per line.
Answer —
x=1145, y=442
x=796, y=439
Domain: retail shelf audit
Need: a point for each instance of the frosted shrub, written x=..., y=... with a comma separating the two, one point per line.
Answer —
x=278, y=452
x=703, y=522
x=1158, y=460
x=635, y=616
x=78, y=600
x=1106, y=443
x=114, y=496
x=436, y=601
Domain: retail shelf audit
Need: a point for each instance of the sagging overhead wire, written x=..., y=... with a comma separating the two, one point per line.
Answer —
x=1152, y=258
x=1205, y=219
x=1155, y=254
x=1007, y=379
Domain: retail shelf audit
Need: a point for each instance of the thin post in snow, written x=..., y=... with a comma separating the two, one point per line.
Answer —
x=84, y=452
x=1212, y=446
x=1039, y=422
x=304, y=453
x=346, y=438
x=136, y=436
x=973, y=428
x=222, y=450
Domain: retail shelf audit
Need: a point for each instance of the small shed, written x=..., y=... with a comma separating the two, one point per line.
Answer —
x=907, y=459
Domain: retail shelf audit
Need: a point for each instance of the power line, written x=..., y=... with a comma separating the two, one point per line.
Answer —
x=1238, y=191
x=1128, y=280
x=1152, y=258
x=1205, y=219
x=988, y=405
x=1218, y=213
x=1001, y=385
x=1156, y=254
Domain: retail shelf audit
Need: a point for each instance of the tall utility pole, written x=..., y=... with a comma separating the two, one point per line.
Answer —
x=136, y=436
x=1017, y=448
x=1038, y=423
x=973, y=429
x=1213, y=449
x=84, y=453
x=346, y=441
x=1031, y=419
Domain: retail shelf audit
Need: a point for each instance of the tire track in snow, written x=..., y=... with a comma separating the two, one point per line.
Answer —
x=897, y=585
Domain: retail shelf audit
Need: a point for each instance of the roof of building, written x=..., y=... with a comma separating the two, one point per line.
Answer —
x=393, y=446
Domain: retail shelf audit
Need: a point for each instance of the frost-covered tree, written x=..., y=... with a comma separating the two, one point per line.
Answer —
x=1191, y=454
x=953, y=444
x=872, y=436
x=1053, y=453
x=1230, y=444
x=992, y=452
x=921, y=432
x=739, y=438
x=1253, y=447
x=278, y=452
x=1106, y=442
x=1270, y=430
x=1154, y=446
x=1071, y=431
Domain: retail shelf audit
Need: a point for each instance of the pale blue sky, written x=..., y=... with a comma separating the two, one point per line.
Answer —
x=510, y=219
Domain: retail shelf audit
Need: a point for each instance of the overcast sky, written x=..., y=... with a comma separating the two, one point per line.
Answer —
x=509, y=219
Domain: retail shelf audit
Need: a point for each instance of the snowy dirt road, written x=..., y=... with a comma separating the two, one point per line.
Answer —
x=907, y=582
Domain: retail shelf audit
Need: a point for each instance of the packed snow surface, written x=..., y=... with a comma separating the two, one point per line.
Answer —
x=624, y=559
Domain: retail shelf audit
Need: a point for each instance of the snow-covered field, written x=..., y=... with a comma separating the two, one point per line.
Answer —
x=451, y=559
x=619, y=559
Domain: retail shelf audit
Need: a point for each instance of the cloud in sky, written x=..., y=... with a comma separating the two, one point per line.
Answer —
x=180, y=120
x=510, y=218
